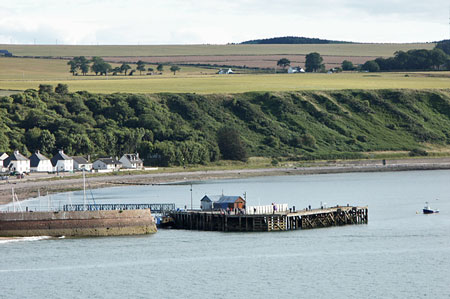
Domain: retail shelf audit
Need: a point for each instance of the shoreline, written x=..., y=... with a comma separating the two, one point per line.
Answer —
x=29, y=188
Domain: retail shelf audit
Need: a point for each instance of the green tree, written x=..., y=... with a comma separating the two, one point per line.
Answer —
x=45, y=88
x=99, y=66
x=160, y=67
x=438, y=57
x=150, y=70
x=73, y=67
x=140, y=66
x=174, y=69
x=313, y=62
x=444, y=45
x=347, y=65
x=124, y=68
x=116, y=70
x=283, y=62
x=62, y=88
x=371, y=66
x=230, y=144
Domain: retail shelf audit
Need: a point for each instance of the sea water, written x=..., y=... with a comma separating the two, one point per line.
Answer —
x=401, y=253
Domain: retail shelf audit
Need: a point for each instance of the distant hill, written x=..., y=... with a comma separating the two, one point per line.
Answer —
x=293, y=40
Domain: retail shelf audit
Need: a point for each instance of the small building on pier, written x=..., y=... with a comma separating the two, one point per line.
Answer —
x=229, y=202
x=221, y=202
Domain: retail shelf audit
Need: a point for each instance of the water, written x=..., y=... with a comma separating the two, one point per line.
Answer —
x=400, y=254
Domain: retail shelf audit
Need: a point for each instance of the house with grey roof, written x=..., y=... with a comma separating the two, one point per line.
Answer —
x=17, y=163
x=40, y=163
x=132, y=161
x=109, y=164
x=61, y=162
x=80, y=163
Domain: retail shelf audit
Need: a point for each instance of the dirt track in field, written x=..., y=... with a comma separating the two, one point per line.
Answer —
x=259, y=61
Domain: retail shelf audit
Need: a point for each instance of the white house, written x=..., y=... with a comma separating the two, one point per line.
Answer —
x=110, y=164
x=224, y=72
x=132, y=161
x=80, y=163
x=293, y=70
x=3, y=157
x=61, y=162
x=17, y=163
x=40, y=163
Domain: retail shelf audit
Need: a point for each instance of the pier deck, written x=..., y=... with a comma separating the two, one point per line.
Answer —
x=283, y=221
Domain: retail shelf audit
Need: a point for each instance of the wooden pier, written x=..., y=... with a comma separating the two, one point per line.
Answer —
x=304, y=219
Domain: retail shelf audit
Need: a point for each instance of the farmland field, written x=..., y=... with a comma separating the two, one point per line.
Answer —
x=202, y=50
x=57, y=69
x=243, y=83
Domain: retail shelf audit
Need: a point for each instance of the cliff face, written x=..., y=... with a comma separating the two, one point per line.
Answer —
x=182, y=128
x=77, y=224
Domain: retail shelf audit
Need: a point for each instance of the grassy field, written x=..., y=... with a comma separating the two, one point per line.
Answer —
x=182, y=50
x=242, y=83
x=57, y=69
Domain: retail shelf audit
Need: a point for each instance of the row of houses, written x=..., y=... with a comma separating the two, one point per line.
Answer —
x=37, y=162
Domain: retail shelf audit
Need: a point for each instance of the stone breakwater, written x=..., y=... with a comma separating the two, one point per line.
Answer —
x=77, y=223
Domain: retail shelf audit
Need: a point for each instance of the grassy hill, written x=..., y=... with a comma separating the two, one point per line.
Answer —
x=172, y=129
x=293, y=40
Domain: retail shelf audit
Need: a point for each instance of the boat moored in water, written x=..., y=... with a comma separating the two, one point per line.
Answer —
x=428, y=210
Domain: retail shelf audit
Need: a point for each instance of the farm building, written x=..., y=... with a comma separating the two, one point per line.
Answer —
x=62, y=162
x=17, y=163
x=293, y=70
x=80, y=163
x=40, y=163
x=107, y=164
x=132, y=161
x=224, y=72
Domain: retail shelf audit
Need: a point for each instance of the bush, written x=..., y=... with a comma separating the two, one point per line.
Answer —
x=371, y=66
x=418, y=152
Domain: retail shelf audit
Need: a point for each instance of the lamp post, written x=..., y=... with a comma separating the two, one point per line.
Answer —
x=191, y=197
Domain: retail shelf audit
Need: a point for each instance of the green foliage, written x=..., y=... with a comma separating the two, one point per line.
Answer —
x=124, y=68
x=160, y=67
x=230, y=144
x=444, y=45
x=174, y=69
x=181, y=129
x=347, y=65
x=62, y=89
x=371, y=66
x=416, y=59
x=283, y=62
x=140, y=67
x=45, y=88
x=417, y=152
x=313, y=62
x=99, y=66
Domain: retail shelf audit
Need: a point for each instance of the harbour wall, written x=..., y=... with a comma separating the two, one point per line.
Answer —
x=77, y=223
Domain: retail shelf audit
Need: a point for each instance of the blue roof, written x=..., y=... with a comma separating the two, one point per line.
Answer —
x=228, y=199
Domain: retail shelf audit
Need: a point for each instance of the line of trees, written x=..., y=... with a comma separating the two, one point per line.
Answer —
x=100, y=67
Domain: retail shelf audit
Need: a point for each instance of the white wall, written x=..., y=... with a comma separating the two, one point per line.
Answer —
x=43, y=166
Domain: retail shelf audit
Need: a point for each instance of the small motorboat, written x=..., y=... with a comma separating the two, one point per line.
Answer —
x=428, y=210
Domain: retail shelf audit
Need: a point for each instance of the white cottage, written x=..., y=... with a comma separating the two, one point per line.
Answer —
x=61, y=162
x=3, y=157
x=80, y=163
x=110, y=164
x=17, y=163
x=132, y=161
x=40, y=163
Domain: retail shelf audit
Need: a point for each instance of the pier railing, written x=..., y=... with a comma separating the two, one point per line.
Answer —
x=154, y=207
